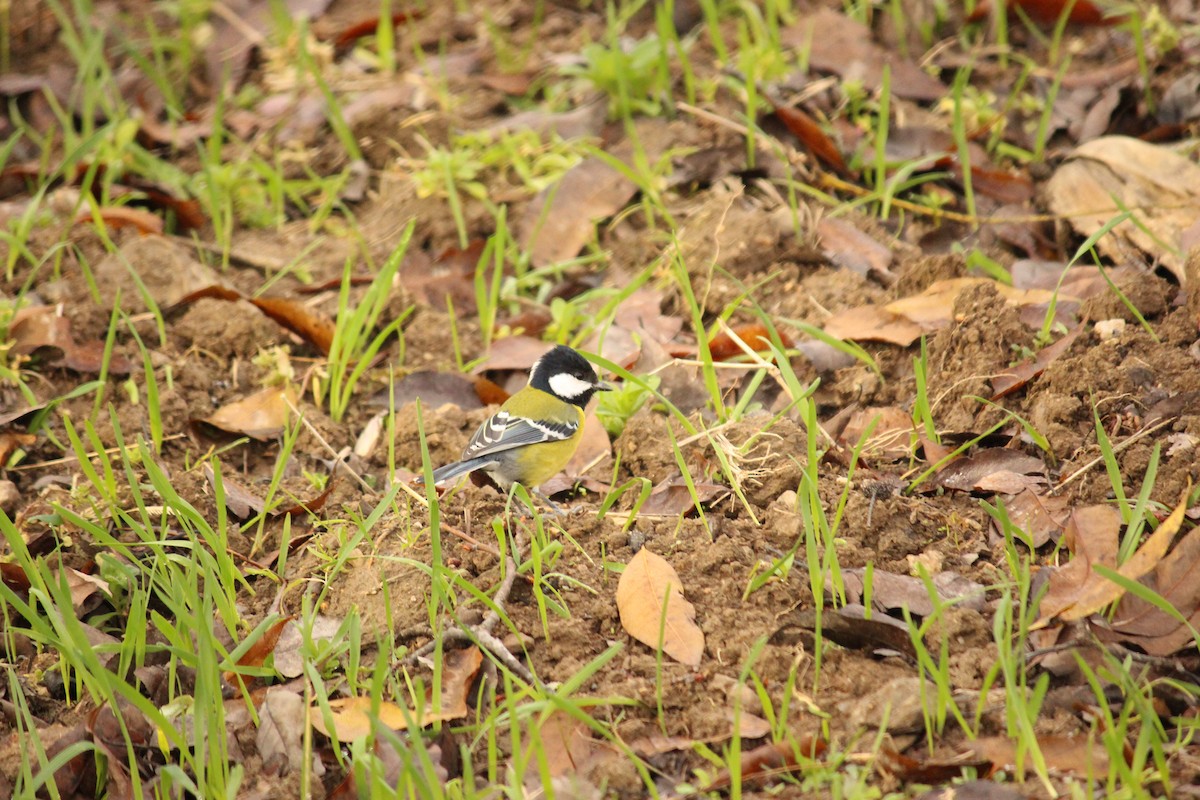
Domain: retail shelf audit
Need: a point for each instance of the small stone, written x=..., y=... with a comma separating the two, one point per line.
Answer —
x=787, y=499
x=637, y=540
x=1110, y=329
x=931, y=560
x=898, y=701
x=9, y=497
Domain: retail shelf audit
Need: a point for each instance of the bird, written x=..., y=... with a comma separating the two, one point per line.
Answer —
x=536, y=431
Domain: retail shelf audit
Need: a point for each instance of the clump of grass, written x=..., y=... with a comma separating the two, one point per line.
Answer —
x=616, y=407
x=631, y=77
x=352, y=352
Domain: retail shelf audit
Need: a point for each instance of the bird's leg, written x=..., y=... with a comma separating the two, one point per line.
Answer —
x=554, y=507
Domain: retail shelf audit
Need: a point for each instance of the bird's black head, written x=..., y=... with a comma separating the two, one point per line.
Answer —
x=567, y=375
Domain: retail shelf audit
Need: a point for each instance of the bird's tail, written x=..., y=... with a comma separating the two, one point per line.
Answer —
x=442, y=474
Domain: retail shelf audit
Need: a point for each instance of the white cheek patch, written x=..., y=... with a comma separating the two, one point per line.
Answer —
x=569, y=386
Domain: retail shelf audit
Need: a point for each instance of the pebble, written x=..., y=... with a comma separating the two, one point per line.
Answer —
x=9, y=497
x=1110, y=329
x=637, y=540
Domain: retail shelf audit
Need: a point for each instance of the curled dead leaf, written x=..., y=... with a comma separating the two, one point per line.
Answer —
x=310, y=325
x=809, y=133
x=755, y=335
x=43, y=332
x=1159, y=186
x=1081, y=588
x=115, y=217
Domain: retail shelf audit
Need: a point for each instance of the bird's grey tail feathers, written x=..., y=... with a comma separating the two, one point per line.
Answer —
x=458, y=468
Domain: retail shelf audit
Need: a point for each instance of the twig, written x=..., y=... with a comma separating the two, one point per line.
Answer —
x=68, y=459
x=481, y=634
x=1116, y=449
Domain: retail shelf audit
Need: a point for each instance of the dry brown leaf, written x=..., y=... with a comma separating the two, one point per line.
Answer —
x=848, y=247
x=1081, y=755
x=11, y=441
x=1016, y=377
x=352, y=716
x=312, y=506
x=14, y=576
x=260, y=416
x=891, y=592
x=656, y=744
x=280, y=731
x=563, y=217
x=1160, y=186
x=838, y=44
x=68, y=777
x=265, y=646
x=257, y=654
x=448, y=278
x=1100, y=591
x=514, y=352
x=1140, y=622
x=873, y=324
x=120, y=723
x=369, y=27
x=433, y=389
x=115, y=217
x=850, y=627
x=1041, y=516
x=934, y=307
x=673, y=498
x=771, y=759
x=288, y=659
x=641, y=314
x=83, y=588
x=755, y=335
x=1078, y=590
x=310, y=325
x=648, y=583
x=747, y=725
x=239, y=499
x=1048, y=12
x=19, y=414
x=892, y=435
x=244, y=26
x=903, y=321
x=44, y=331
x=810, y=134
x=1014, y=187
x=567, y=745
x=937, y=771
x=978, y=472
x=1091, y=535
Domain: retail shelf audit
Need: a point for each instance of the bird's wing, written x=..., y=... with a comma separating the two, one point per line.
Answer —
x=503, y=431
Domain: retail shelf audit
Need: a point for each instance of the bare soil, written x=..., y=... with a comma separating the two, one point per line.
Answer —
x=208, y=347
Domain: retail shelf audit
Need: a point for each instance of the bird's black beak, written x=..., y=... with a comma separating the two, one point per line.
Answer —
x=604, y=386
